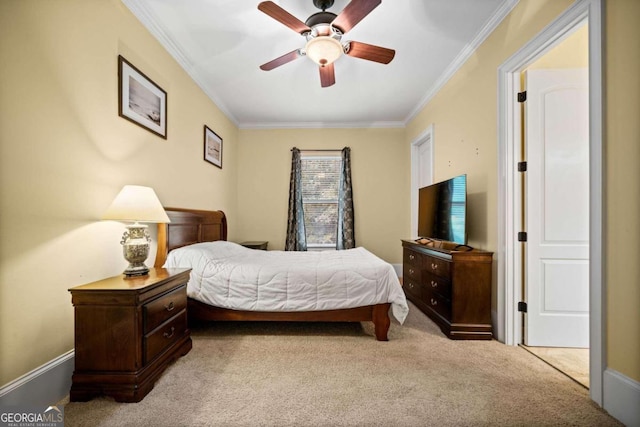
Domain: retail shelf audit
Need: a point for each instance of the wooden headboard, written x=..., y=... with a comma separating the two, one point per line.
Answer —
x=189, y=226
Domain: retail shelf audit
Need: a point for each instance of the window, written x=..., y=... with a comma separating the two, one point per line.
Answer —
x=320, y=183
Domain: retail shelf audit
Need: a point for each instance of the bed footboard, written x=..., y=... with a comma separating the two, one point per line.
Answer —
x=378, y=314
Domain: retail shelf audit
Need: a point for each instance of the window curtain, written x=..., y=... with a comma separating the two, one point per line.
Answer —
x=296, y=234
x=346, y=229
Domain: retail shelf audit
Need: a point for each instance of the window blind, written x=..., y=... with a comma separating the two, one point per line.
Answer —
x=320, y=182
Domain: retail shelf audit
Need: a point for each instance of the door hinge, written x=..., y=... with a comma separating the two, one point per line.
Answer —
x=522, y=166
x=522, y=236
x=522, y=306
x=522, y=96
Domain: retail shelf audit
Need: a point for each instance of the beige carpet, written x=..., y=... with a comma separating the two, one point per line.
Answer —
x=290, y=374
x=573, y=362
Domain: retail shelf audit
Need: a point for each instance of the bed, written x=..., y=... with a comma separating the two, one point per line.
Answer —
x=189, y=228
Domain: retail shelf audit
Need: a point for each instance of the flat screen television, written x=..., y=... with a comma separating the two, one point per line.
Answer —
x=442, y=210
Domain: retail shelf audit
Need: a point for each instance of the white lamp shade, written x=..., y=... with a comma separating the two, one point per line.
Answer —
x=136, y=203
x=323, y=50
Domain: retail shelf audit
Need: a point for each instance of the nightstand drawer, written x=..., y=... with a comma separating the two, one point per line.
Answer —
x=163, y=308
x=436, y=266
x=165, y=335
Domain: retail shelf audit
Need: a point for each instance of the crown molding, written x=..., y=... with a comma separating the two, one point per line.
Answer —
x=321, y=125
x=146, y=17
x=489, y=27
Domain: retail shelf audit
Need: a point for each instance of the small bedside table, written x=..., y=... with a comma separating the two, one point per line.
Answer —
x=256, y=245
x=127, y=331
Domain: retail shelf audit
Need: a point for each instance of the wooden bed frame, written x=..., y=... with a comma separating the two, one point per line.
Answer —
x=189, y=226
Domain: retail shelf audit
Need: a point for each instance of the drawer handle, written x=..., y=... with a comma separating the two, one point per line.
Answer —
x=170, y=306
x=434, y=284
x=434, y=266
x=169, y=334
x=411, y=271
x=434, y=302
x=411, y=257
x=410, y=285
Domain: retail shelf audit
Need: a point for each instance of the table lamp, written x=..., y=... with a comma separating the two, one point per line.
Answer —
x=137, y=204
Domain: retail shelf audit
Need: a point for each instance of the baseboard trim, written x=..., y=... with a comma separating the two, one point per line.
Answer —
x=621, y=397
x=398, y=268
x=45, y=385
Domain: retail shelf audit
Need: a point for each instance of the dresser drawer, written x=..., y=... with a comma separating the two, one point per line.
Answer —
x=413, y=288
x=410, y=271
x=161, y=309
x=437, y=266
x=438, y=303
x=437, y=284
x=164, y=336
x=413, y=258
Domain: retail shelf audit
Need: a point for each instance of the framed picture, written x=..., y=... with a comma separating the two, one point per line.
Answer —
x=140, y=100
x=212, y=147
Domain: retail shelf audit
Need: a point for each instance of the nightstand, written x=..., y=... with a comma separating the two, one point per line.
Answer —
x=256, y=245
x=127, y=331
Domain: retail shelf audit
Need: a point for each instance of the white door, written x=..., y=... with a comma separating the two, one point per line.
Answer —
x=421, y=170
x=557, y=208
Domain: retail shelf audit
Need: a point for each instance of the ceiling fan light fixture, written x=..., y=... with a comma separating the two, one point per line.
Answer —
x=323, y=50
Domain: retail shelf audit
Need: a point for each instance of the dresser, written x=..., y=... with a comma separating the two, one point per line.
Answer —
x=127, y=331
x=452, y=285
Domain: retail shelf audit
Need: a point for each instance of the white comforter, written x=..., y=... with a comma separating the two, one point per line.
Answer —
x=228, y=275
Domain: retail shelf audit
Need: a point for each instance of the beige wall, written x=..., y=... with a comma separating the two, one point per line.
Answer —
x=572, y=52
x=464, y=116
x=380, y=175
x=65, y=153
x=622, y=188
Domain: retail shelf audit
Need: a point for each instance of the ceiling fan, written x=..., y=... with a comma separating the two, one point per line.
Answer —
x=323, y=32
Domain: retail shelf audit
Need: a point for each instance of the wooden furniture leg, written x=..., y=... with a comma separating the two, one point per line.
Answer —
x=381, y=321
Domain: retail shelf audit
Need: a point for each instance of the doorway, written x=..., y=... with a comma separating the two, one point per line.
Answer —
x=510, y=271
x=422, y=154
x=555, y=204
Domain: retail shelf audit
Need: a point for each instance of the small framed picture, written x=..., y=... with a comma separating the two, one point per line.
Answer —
x=140, y=100
x=212, y=147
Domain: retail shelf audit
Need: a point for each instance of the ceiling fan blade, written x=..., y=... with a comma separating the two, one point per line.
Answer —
x=281, y=60
x=284, y=17
x=327, y=75
x=354, y=13
x=370, y=52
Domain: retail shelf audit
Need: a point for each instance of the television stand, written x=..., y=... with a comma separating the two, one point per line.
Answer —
x=451, y=286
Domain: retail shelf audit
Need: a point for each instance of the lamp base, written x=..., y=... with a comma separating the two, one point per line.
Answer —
x=133, y=271
x=135, y=248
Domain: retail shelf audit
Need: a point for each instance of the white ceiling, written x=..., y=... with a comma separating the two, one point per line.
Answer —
x=222, y=43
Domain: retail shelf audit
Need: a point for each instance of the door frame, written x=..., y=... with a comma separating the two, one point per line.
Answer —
x=426, y=137
x=509, y=320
